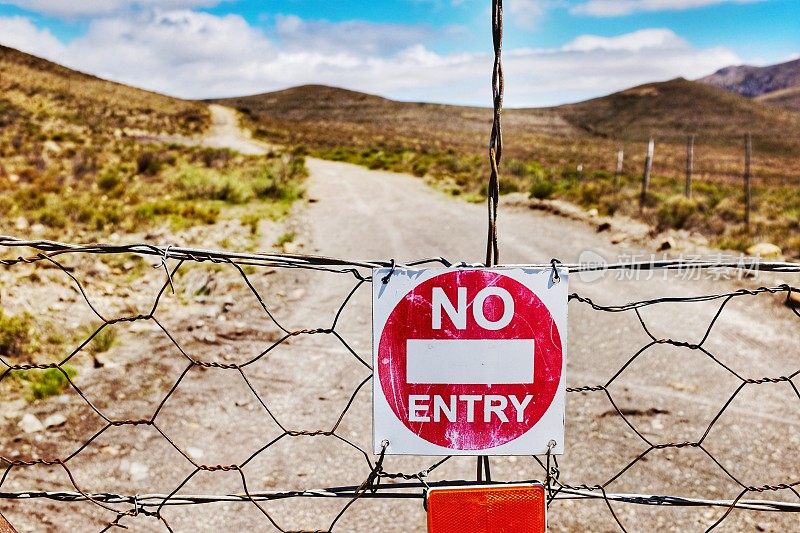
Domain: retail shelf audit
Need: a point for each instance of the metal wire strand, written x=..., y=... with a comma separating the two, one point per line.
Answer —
x=496, y=138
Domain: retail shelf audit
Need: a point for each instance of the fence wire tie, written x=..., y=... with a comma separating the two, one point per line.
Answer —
x=551, y=471
x=163, y=264
x=556, y=281
x=385, y=279
x=370, y=483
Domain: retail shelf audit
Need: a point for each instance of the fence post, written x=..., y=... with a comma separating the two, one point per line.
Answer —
x=618, y=171
x=748, y=154
x=689, y=165
x=648, y=166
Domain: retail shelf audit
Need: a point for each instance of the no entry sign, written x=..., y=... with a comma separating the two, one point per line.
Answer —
x=469, y=361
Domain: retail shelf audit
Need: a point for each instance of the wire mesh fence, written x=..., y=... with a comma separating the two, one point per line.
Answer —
x=234, y=370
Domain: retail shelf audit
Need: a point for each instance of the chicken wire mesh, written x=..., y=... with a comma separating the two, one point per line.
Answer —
x=244, y=389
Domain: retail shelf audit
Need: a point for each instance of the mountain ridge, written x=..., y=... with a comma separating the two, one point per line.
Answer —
x=755, y=82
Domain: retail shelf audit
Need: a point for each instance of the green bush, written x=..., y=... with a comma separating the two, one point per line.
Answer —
x=508, y=185
x=108, y=180
x=677, y=212
x=197, y=183
x=420, y=169
x=105, y=339
x=215, y=157
x=542, y=189
x=16, y=334
x=148, y=164
x=52, y=217
x=45, y=383
x=591, y=193
x=285, y=238
x=524, y=169
x=730, y=209
x=251, y=220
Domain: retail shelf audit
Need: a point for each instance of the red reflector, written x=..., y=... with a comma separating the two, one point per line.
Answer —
x=487, y=509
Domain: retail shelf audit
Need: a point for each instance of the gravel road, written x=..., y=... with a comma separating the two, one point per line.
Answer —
x=226, y=133
x=671, y=393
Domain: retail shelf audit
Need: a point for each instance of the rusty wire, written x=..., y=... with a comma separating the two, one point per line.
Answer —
x=369, y=486
x=496, y=138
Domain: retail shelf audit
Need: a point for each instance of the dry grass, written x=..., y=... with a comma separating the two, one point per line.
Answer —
x=73, y=166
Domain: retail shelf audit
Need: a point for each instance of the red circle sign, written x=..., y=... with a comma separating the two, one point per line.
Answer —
x=440, y=391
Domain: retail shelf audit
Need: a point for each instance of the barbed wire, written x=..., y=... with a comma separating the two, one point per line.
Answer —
x=405, y=484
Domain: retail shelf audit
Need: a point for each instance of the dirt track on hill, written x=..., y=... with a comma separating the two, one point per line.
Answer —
x=670, y=393
x=225, y=132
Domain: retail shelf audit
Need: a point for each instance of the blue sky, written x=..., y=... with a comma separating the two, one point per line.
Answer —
x=434, y=50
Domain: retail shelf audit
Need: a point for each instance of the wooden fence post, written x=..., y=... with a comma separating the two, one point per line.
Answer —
x=618, y=172
x=648, y=166
x=689, y=165
x=748, y=154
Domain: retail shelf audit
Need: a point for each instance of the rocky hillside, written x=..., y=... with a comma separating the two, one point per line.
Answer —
x=755, y=82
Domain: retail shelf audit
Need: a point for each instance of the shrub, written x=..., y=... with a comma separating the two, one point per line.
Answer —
x=50, y=382
x=677, y=212
x=215, y=157
x=730, y=209
x=508, y=185
x=108, y=180
x=53, y=217
x=251, y=220
x=285, y=238
x=148, y=164
x=16, y=333
x=516, y=167
x=108, y=215
x=419, y=169
x=105, y=339
x=542, y=189
x=205, y=184
x=592, y=193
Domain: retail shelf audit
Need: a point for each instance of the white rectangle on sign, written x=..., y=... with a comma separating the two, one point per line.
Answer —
x=472, y=361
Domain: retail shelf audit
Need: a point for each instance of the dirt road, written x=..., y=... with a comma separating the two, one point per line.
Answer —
x=671, y=394
x=226, y=133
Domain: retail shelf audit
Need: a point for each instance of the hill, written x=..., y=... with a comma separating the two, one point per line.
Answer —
x=786, y=98
x=73, y=100
x=679, y=107
x=74, y=163
x=752, y=81
x=326, y=118
x=341, y=115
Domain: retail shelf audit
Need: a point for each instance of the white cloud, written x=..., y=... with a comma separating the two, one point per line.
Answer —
x=616, y=8
x=577, y=71
x=72, y=8
x=20, y=33
x=632, y=42
x=200, y=55
x=526, y=13
x=358, y=37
